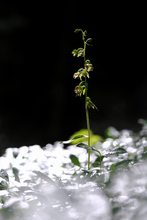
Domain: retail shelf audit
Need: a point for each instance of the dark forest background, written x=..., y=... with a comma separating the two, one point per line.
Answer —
x=37, y=100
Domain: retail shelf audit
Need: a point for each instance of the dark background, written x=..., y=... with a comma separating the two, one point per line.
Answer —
x=37, y=100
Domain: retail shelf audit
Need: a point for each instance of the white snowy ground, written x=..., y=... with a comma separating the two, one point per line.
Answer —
x=39, y=183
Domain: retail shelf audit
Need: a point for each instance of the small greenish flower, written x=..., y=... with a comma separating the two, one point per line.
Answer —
x=81, y=73
x=80, y=90
x=88, y=66
x=76, y=75
x=90, y=104
x=78, y=52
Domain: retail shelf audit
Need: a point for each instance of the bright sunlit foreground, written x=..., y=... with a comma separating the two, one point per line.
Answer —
x=48, y=183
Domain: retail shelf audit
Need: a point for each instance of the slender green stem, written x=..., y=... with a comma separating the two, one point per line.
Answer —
x=88, y=127
x=86, y=110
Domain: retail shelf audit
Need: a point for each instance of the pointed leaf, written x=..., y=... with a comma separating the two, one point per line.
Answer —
x=98, y=161
x=77, y=137
x=75, y=160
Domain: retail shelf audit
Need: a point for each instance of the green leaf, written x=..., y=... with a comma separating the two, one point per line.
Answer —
x=85, y=146
x=4, y=175
x=94, y=139
x=79, y=136
x=74, y=139
x=16, y=174
x=98, y=161
x=120, y=165
x=82, y=145
x=83, y=137
x=120, y=150
x=3, y=185
x=75, y=160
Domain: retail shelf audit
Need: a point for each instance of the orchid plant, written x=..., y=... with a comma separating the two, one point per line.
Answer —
x=83, y=74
